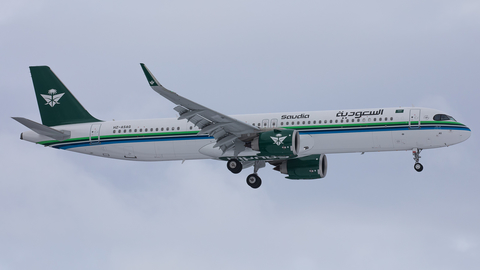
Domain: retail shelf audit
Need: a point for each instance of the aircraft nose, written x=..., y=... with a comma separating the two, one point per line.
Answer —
x=465, y=134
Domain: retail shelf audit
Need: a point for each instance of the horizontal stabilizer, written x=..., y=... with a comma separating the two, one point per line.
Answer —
x=59, y=135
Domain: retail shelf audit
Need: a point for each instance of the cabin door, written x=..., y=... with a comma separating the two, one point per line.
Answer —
x=95, y=133
x=414, y=120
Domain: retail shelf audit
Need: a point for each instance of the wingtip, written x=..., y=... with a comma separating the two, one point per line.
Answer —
x=150, y=78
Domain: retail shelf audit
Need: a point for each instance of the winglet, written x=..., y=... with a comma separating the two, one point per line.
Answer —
x=151, y=79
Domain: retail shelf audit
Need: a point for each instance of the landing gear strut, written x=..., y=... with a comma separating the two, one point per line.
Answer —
x=253, y=180
x=416, y=156
x=234, y=166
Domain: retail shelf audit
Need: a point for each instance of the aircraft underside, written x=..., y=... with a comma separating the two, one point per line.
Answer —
x=311, y=145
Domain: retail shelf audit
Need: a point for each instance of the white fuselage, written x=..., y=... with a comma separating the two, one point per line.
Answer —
x=321, y=132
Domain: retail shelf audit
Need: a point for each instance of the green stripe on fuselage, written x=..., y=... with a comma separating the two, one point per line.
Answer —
x=300, y=128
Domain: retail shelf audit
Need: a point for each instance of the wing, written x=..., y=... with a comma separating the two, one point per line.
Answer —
x=227, y=131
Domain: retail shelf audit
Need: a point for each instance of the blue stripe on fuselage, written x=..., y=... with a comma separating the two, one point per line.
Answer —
x=130, y=140
x=195, y=137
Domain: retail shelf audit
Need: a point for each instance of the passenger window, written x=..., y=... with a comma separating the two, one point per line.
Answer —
x=167, y=129
x=330, y=121
x=336, y=121
x=156, y=129
x=135, y=130
x=191, y=128
x=314, y=122
x=114, y=131
x=178, y=128
x=346, y=120
x=391, y=118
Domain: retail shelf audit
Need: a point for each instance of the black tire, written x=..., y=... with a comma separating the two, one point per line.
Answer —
x=234, y=166
x=254, y=181
x=418, y=167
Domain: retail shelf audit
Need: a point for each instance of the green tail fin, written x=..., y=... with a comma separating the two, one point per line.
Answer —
x=56, y=104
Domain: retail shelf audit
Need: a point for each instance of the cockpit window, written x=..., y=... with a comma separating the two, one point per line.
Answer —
x=443, y=117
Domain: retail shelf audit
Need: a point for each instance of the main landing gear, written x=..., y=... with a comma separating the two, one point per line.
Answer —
x=253, y=180
x=416, y=156
x=234, y=166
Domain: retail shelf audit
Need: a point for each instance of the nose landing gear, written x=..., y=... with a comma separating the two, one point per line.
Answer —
x=416, y=156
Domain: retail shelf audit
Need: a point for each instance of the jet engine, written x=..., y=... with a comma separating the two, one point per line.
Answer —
x=282, y=142
x=309, y=167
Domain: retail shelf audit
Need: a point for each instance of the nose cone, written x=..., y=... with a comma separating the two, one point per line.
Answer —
x=464, y=134
x=468, y=133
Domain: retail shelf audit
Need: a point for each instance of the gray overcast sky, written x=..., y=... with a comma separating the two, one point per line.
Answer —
x=61, y=210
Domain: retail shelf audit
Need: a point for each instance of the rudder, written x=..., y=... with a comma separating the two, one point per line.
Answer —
x=56, y=103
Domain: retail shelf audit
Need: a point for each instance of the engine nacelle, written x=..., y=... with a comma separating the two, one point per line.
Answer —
x=309, y=167
x=282, y=142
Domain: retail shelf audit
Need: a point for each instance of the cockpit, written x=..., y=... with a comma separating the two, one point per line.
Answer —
x=443, y=117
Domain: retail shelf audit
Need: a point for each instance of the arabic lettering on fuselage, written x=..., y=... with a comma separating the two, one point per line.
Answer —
x=359, y=114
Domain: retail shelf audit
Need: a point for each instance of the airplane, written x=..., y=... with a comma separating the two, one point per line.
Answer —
x=295, y=144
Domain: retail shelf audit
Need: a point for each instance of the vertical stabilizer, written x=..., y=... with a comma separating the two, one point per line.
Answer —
x=56, y=104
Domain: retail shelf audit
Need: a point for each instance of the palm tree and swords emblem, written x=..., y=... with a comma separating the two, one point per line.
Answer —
x=52, y=98
x=278, y=140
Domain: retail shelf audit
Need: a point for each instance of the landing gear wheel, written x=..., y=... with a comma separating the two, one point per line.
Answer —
x=234, y=166
x=254, y=181
x=418, y=167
